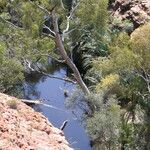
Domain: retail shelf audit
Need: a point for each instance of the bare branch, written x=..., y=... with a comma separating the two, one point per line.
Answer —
x=28, y=64
x=64, y=125
x=70, y=31
x=66, y=31
x=39, y=102
x=62, y=5
x=140, y=75
x=73, y=10
x=68, y=23
x=59, y=78
x=46, y=27
x=59, y=61
x=48, y=35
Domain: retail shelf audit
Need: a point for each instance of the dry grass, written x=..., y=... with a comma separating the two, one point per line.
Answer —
x=12, y=103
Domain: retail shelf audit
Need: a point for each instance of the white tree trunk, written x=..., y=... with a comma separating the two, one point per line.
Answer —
x=64, y=55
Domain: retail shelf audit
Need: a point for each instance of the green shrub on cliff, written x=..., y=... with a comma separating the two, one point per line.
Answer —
x=125, y=73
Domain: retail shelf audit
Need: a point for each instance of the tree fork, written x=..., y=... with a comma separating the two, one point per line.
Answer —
x=64, y=55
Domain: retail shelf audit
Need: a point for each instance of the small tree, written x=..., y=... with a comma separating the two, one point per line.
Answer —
x=40, y=28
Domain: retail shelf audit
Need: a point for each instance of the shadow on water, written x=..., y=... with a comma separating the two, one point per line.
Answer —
x=51, y=91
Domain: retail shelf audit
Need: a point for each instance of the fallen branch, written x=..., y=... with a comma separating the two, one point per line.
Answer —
x=64, y=125
x=39, y=102
x=30, y=102
x=28, y=64
x=59, y=78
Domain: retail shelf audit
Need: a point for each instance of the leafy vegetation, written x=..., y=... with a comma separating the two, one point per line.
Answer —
x=125, y=74
x=115, y=66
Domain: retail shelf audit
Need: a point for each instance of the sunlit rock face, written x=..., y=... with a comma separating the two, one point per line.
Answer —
x=21, y=128
x=136, y=11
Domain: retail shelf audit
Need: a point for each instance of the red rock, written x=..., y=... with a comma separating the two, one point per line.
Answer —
x=136, y=11
x=24, y=129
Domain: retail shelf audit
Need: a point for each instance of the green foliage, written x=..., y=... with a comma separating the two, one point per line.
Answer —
x=120, y=65
x=104, y=126
x=125, y=73
x=91, y=30
x=8, y=69
x=121, y=58
x=2, y=50
x=140, y=43
x=117, y=24
x=103, y=123
x=3, y=3
x=96, y=14
x=123, y=62
x=109, y=82
x=24, y=42
x=32, y=18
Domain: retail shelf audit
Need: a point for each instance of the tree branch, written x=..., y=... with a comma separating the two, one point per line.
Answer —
x=39, y=102
x=67, y=27
x=59, y=61
x=44, y=26
x=64, y=55
x=28, y=64
x=48, y=35
x=64, y=125
x=68, y=20
x=62, y=5
x=59, y=78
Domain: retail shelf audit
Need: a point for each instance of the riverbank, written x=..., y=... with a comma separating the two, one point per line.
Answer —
x=22, y=128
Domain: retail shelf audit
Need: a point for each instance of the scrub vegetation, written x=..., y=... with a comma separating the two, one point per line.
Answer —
x=110, y=67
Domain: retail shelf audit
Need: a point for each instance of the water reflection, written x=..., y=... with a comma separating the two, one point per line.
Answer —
x=52, y=92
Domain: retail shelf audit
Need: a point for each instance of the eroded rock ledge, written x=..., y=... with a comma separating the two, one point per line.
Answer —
x=136, y=11
x=21, y=128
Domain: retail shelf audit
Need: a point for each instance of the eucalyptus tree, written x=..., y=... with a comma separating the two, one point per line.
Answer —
x=35, y=29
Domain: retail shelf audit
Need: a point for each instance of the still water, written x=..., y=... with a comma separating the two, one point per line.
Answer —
x=51, y=91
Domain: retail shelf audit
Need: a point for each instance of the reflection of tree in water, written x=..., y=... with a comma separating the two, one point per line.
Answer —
x=32, y=79
x=35, y=77
x=15, y=90
x=30, y=91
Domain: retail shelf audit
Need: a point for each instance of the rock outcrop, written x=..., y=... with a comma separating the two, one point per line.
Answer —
x=136, y=11
x=21, y=128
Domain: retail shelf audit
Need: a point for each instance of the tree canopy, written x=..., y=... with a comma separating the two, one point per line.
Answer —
x=116, y=68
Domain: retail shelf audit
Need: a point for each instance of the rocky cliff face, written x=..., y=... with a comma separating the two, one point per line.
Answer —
x=137, y=12
x=21, y=128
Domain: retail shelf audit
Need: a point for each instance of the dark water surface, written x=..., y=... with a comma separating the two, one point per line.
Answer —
x=52, y=92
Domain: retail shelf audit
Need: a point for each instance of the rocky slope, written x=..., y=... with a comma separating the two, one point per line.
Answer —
x=21, y=128
x=130, y=13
